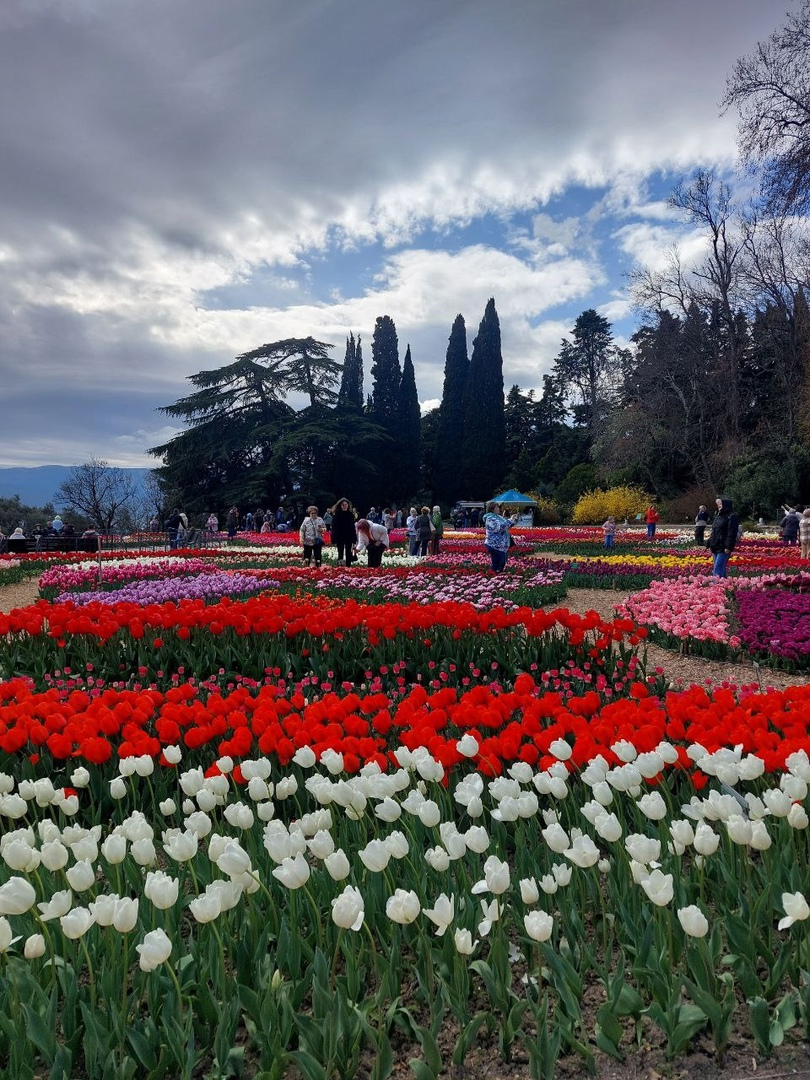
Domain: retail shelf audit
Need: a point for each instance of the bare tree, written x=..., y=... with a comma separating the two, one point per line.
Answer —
x=98, y=490
x=771, y=91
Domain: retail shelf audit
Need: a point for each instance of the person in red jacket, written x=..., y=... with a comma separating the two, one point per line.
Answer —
x=652, y=518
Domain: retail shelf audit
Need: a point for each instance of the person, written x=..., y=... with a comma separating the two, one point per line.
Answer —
x=438, y=530
x=372, y=538
x=423, y=527
x=17, y=543
x=652, y=517
x=723, y=537
x=410, y=528
x=374, y=515
x=311, y=536
x=267, y=525
x=279, y=518
x=154, y=524
x=701, y=521
x=327, y=519
x=212, y=523
x=804, y=533
x=609, y=529
x=249, y=521
x=399, y=518
x=56, y=524
x=174, y=527
x=3, y=542
x=232, y=522
x=496, y=536
x=343, y=532
x=388, y=518
x=789, y=525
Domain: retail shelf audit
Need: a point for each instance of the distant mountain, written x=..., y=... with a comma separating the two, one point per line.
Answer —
x=37, y=486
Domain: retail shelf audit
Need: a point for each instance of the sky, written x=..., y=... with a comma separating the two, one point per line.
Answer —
x=182, y=181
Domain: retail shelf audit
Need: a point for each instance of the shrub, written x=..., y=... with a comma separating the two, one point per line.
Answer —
x=546, y=512
x=594, y=507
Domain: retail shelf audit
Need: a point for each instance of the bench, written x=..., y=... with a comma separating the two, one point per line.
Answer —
x=33, y=545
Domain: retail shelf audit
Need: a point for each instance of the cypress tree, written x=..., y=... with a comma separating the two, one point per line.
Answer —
x=484, y=434
x=351, y=381
x=451, y=415
x=409, y=430
x=385, y=372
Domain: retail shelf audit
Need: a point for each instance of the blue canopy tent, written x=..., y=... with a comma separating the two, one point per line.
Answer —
x=515, y=500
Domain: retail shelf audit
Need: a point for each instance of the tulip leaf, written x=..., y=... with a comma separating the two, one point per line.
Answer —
x=468, y=1036
x=309, y=1066
x=760, y=1022
x=39, y=1034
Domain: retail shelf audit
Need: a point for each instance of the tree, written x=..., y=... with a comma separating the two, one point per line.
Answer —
x=386, y=373
x=484, y=433
x=588, y=368
x=234, y=418
x=771, y=91
x=99, y=491
x=351, y=382
x=451, y=414
x=409, y=430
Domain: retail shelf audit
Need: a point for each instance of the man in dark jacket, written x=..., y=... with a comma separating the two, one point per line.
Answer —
x=723, y=537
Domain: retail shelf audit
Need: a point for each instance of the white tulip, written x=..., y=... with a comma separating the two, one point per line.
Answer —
x=529, y=891
x=653, y=806
x=397, y=844
x=538, y=924
x=796, y=909
x=293, y=873
x=659, y=887
x=348, y=909
x=76, y=923
x=706, y=839
x=442, y=913
x=402, y=907
x=693, y=921
x=16, y=896
x=34, y=947
x=464, y=943
x=337, y=865
x=161, y=889
x=58, y=905
x=155, y=950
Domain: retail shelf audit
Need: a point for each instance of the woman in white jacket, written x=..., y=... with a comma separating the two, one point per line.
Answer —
x=373, y=538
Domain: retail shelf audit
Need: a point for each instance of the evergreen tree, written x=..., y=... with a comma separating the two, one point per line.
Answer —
x=451, y=415
x=484, y=434
x=385, y=372
x=351, y=382
x=409, y=431
x=235, y=418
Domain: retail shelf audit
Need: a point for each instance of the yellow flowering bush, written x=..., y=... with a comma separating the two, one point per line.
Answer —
x=594, y=507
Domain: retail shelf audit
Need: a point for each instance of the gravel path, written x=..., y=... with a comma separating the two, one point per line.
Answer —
x=680, y=670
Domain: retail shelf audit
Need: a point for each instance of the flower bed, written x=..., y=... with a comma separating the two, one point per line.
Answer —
x=302, y=833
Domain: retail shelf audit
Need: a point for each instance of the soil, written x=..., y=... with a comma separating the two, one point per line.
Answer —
x=644, y=1058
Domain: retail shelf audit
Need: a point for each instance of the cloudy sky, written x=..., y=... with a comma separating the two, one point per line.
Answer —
x=184, y=180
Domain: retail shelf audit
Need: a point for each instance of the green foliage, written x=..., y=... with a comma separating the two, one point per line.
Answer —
x=451, y=415
x=409, y=430
x=546, y=511
x=484, y=435
x=580, y=479
x=758, y=485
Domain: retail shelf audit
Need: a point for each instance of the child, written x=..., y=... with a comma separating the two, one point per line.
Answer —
x=609, y=529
